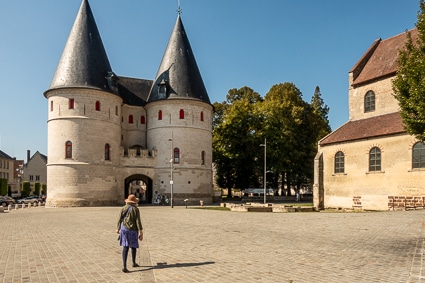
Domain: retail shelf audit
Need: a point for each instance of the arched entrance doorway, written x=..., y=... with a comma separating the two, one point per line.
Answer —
x=139, y=185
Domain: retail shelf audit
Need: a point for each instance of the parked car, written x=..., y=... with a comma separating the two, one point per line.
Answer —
x=31, y=199
x=5, y=201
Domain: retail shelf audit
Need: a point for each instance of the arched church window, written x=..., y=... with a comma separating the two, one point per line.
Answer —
x=68, y=149
x=107, y=152
x=98, y=105
x=375, y=159
x=181, y=114
x=369, y=101
x=339, y=162
x=176, y=155
x=418, y=155
x=130, y=119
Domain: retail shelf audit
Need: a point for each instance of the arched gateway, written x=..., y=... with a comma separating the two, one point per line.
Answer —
x=139, y=185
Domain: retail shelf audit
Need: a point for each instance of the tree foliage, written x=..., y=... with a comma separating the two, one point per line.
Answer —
x=409, y=84
x=291, y=126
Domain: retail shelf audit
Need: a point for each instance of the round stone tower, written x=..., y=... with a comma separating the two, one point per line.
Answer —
x=83, y=121
x=179, y=124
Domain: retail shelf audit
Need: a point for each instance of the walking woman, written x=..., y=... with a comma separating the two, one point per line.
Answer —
x=130, y=229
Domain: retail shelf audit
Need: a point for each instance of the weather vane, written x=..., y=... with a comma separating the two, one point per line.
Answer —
x=179, y=10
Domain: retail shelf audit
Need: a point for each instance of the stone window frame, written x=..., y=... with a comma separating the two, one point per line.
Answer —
x=339, y=162
x=418, y=153
x=369, y=101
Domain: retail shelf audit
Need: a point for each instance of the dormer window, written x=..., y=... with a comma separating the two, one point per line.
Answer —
x=162, y=89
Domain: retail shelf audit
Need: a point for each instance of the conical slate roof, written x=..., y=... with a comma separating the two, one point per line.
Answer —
x=178, y=75
x=84, y=62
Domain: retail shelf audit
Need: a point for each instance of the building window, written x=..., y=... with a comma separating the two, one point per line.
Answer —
x=116, y=110
x=181, y=114
x=202, y=116
x=203, y=158
x=375, y=159
x=68, y=149
x=418, y=155
x=162, y=89
x=142, y=120
x=71, y=103
x=339, y=162
x=160, y=115
x=51, y=105
x=37, y=177
x=107, y=152
x=98, y=105
x=369, y=101
x=130, y=119
x=176, y=158
x=31, y=178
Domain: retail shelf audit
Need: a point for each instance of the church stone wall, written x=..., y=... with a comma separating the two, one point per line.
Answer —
x=357, y=187
x=384, y=101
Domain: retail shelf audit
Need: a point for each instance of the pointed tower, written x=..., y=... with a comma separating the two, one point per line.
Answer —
x=179, y=124
x=84, y=121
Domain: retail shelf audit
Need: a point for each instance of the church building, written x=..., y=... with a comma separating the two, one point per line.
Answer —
x=110, y=135
x=371, y=162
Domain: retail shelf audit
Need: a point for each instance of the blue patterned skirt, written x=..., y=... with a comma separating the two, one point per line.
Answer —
x=129, y=238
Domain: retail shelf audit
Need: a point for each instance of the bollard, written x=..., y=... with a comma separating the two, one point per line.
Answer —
x=29, y=205
x=16, y=206
x=9, y=207
x=23, y=205
x=201, y=202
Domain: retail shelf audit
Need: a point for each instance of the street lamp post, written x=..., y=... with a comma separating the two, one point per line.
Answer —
x=171, y=172
x=265, y=168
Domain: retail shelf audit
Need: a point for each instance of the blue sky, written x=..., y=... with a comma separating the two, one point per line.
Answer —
x=255, y=43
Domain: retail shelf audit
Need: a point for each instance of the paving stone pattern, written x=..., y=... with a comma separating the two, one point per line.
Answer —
x=198, y=245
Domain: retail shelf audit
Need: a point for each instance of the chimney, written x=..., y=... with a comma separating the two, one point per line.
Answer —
x=28, y=155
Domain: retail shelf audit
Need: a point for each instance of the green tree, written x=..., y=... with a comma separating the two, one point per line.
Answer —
x=37, y=188
x=409, y=84
x=3, y=187
x=43, y=189
x=320, y=111
x=235, y=139
x=26, y=189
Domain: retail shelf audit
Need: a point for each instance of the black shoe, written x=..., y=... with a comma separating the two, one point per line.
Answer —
x=125, y=270
x=136, y=265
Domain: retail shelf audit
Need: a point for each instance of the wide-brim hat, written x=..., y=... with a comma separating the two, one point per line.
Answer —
x=132, y=199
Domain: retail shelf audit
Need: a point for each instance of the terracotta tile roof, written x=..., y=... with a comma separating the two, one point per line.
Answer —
x=388, y=124
x=380, y=60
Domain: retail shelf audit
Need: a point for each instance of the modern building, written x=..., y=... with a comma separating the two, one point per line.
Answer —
x=7, y=172
x=371, y=162
x=107, y=132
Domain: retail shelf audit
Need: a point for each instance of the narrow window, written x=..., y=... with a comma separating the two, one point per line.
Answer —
x=176, y=155
x=369, y=101
x=142, y=120
x=37, y=177
x=130, y=119
x=160, y=115
x=51, y=105
x=98, y=105
x=116, y=110
x=68, y=149
x=339, y=162
x=202, y=116
x=181, y=114
x=203, y=158
x=71, y=103
x=375, y=159
x=107, y=152
x=418, y=158
x=31, y=178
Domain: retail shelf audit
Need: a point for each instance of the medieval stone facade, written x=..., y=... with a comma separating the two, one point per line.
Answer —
x=371, y=162
x=107, y=133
